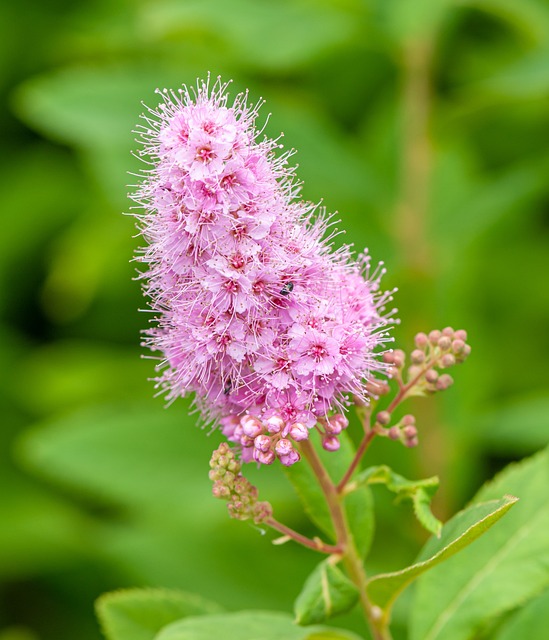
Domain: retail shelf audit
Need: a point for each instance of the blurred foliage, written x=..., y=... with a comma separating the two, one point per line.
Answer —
x=425, y=123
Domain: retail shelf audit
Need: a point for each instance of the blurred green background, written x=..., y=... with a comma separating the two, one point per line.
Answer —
x=425, y=123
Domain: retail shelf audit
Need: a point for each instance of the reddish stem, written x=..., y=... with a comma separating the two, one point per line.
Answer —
x=315, y=545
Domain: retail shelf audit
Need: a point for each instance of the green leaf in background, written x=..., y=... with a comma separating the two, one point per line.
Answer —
x=420, y=492
x=326, y=593
x=517, y=427
x=501, y=571
x=138, y=614
x=274, y=36
x=248, y=625
x=358, y=505
x=463, y=529
x=530, y=621
x=17, y=633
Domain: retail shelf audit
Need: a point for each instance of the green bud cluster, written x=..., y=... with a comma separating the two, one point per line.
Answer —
x=229, y=484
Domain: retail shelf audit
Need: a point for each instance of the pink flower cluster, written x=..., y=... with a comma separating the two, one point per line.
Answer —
x=271, y=329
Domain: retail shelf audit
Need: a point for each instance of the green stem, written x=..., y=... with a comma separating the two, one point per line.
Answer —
x=350, y=556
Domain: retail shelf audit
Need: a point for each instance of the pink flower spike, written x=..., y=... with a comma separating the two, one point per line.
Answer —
x=255, y=314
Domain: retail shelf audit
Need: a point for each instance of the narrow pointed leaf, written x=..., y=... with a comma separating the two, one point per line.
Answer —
x=458, y=533
x=420, y=492
x=139, y=614
x=326, y=593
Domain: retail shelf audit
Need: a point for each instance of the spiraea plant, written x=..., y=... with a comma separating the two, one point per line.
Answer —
x=278, y=336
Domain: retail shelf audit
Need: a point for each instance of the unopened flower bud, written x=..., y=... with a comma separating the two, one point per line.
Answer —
x=262, y=443
x=444, y=382
x=247, y=441
x=458, y=346
x=434, y=337
x=399, y=357
x=251, y=426
x=431, y=376
x=408, y=419
x=336, y=423
x=291, y=458
x=388, y=357
x=274, y=424
x=444, y=343
x=298, y=432
x=264, y=457
x=383, y=417
x=448, y=331
x=330, y=443
x=377, y=388
x=448, y=360
x=411, y=442
x=394, y=433
x=461, y=334
x=283, y=447
x=421, y=340
x=417, y=356
x=221, y=491
x=410, y=431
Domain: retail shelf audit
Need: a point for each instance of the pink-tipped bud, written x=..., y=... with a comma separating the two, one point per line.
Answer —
x=411, y=442
x=262, y=443
x=298, y=432
x=461, y=334
x=247, y=441
x=376, y=388
x=417, y=356
x=290, y=459
x=251, y=426
x=421, y=340
x=410, y=431
x=283, y=447
x=264, y=457
x=458, y=346
x=394, y=433
x=431, y=376
x=448, y=360
x=444, y=382
x=466, y=350
x=383, y=417
x=448, y=331
x=399, y=357
x=408, y=419
x=221, y=491
x=336, y=424
x=274, y=424
x=445, y=343
x=389, y=357
x=330, y=443
x=434, y=337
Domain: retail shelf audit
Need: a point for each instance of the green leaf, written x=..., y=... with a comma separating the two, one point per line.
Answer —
x=139, y=614
x=326, y=593
x=458, y=533
x=358, y=505
x=420, y=492
x=258, y=34
x=519, y=426
x=531, y=621
x=248, y=625
x=499, y=572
